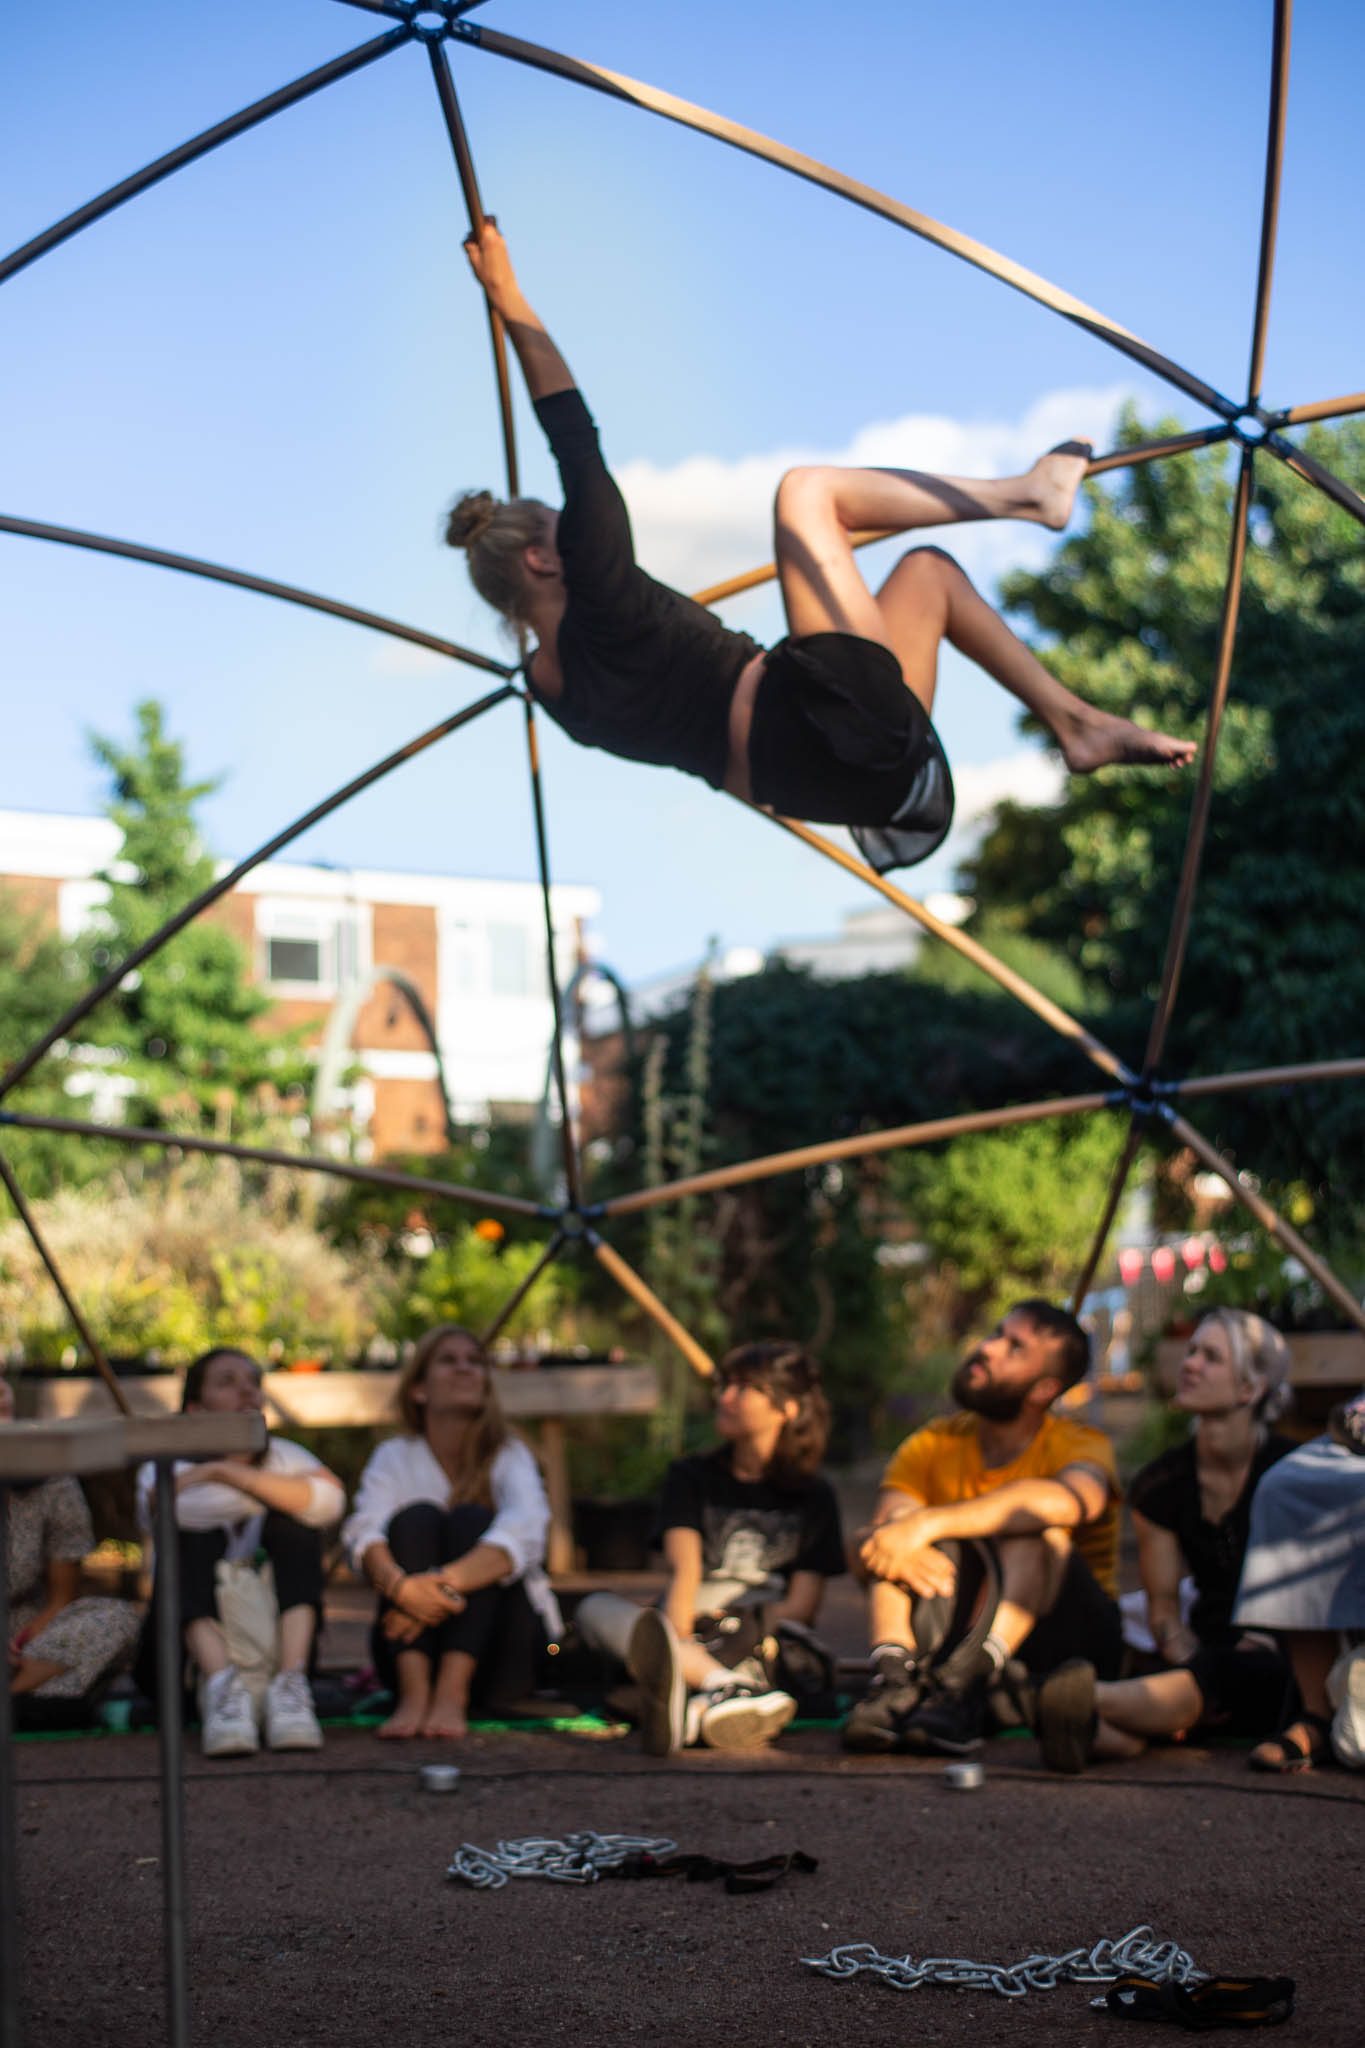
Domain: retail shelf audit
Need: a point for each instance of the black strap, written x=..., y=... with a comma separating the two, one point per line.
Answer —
x=759, y=1876
x=1220, y=2002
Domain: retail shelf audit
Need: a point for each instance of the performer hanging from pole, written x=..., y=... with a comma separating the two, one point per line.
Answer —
x=833, y=724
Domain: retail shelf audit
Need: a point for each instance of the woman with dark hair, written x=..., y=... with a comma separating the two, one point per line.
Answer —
x=228, y=1510
x=1192, y=1508
x=750, y=1532
x=449, y=1527
x=832, y=724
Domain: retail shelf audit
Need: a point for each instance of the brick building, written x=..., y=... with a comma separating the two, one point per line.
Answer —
x=321, y=940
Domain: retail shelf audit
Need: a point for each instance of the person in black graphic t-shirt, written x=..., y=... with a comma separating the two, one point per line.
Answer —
x=751, y=1533
x=1192, y=1511
x=833, y=724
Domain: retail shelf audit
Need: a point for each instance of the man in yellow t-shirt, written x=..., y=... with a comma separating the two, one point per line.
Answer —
x=995, y=1538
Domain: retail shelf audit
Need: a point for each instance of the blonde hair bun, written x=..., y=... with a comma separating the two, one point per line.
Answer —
x=469, y=518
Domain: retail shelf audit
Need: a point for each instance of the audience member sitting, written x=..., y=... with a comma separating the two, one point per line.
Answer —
x=449, y=1526
x=1191, y=1509
x=227, y=1510
x=949, y=1613
x=1304, y=1577
x=750, y=1533
x=61, y=1648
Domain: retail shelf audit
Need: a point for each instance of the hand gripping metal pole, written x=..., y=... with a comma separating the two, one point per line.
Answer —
x=200, y=145
x=616, y=86
x=70, y=1018
x=87, y=1335
x=469, y=185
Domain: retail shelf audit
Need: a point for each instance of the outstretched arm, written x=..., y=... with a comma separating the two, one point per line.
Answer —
x=543, y=367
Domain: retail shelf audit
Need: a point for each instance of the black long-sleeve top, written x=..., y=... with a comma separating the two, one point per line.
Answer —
x=647, y=673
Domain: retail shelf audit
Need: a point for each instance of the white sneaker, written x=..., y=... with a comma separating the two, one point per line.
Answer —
x=1346, y=1692
x=227, y=1717
x=739, y=1716
x=653, y=1662
x=290, y=1722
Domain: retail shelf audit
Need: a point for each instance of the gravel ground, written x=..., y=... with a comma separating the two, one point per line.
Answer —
x=320, y=1914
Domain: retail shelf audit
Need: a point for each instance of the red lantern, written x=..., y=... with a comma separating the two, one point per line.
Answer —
x=1130, y=1266
x=1163, y=1264
x=1218, y=1259
x=1192, y=1252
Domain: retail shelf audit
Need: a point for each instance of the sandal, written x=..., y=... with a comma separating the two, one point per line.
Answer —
x=1305, y=1742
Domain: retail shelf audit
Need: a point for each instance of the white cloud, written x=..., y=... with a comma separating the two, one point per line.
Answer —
x=1028, y=777
x=706, y=518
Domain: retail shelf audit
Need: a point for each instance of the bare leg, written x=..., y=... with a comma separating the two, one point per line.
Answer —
x=928, y=598
x=297, y=1625
x=207, y=1645
x=414, y=1696
x=1031, y=1573
x=448, y=1714
x=1312, y=1653
x=1132, y=1710
x=888, y=1615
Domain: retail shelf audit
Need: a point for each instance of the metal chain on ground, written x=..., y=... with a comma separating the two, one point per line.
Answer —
x=574, y=1859
x=1136, y=1954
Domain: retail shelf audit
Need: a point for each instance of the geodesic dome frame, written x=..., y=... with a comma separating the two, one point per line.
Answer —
x=1143, y=1094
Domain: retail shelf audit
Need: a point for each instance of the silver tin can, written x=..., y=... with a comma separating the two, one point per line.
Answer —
x=968, y=1777
x=440, y=1777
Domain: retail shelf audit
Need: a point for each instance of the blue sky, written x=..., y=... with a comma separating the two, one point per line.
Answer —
x=276, y=360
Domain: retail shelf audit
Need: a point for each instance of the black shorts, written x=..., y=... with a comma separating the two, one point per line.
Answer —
x=1245, y=1692
x=1082, y=1622
x=838, y=739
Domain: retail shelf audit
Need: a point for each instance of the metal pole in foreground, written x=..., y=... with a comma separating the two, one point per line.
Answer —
x=170, y=1659
x=11, y=2013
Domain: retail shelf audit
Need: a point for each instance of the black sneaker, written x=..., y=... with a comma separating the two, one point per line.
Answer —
x=878, y=1721
x=949, y=1722
x=1066, y=1716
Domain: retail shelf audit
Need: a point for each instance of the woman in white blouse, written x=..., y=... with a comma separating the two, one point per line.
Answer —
x=228, y=1509
x=449, y=1527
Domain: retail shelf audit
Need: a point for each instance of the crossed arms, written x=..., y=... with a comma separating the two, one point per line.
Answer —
x=898, y=1543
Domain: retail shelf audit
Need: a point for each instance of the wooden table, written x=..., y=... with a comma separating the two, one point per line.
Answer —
x=550, y=1396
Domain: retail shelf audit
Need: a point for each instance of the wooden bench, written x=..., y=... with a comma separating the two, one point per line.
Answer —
x=549, y=1396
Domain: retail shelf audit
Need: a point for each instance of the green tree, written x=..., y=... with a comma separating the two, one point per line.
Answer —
x=1129, y=612
x=39, y=976
x=189, y=1027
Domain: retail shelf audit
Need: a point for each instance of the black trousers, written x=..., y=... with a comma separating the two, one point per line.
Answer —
x=295, y=1552
x=498, y=1627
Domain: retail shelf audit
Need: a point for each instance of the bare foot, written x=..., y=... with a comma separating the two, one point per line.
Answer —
x=1055, y=479
x=445, y=1722
x=404, y=1722
x=1097, y=739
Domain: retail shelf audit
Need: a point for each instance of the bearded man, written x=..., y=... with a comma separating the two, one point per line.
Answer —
x=993, y=1551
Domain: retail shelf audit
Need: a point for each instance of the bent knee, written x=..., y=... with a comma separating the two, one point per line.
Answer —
x=931, y=564
x=806, y=492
